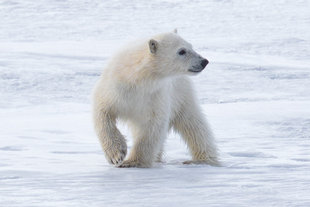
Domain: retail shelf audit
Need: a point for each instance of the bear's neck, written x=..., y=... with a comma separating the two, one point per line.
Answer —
x=140, y=71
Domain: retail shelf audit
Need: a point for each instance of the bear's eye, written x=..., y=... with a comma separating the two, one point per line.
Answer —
x=182, y=52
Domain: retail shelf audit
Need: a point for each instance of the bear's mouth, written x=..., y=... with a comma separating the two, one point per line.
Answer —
x=195, y=69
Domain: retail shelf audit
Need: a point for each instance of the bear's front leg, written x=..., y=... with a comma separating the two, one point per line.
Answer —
x=112, y=141
x=148, y=140
x=196, y=133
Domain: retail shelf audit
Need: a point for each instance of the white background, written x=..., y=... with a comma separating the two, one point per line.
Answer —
x=255, y=93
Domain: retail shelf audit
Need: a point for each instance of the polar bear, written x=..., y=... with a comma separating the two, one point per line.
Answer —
x=147, y=85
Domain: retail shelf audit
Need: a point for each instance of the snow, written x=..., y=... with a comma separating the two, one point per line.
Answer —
x=255, y=93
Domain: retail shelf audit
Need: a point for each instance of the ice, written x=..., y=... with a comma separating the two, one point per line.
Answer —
x=255, y=94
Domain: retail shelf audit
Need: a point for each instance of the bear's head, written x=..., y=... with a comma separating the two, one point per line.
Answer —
x=174, y=56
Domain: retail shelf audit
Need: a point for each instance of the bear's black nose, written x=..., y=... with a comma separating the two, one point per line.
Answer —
x=204, y=62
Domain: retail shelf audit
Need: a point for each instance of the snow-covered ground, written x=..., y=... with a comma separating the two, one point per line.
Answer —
x=255, y=92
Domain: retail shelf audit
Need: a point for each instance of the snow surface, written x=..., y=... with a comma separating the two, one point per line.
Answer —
x=255, y=92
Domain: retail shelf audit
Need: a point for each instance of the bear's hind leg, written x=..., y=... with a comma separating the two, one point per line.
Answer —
x=160, y=154
x=148, y=140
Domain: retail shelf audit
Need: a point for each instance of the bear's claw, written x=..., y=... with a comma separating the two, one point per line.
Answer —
x=115, y=155
x=131, y=163
x=203, y=162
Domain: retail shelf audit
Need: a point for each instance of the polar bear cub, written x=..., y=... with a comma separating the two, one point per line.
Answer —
x=146, y=85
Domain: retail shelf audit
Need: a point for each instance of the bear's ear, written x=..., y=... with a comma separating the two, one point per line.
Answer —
x=153, y=44
x=175, y=31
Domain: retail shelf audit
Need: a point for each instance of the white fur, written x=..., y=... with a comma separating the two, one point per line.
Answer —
x=150, y=90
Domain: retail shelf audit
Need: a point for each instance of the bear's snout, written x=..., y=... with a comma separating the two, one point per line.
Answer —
x=204, y=63
x=200, y=65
